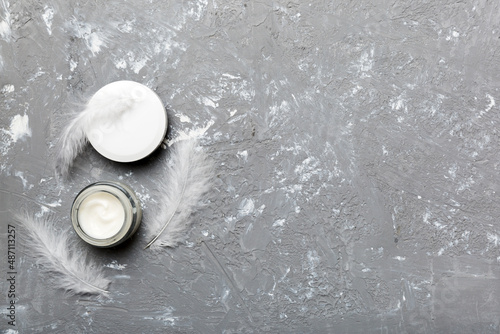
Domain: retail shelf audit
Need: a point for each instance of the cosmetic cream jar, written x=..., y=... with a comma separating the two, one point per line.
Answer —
x=106, y=213
x=132, y=121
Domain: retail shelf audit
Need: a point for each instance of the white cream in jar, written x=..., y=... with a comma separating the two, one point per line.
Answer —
x=106, y=213
x=101, y=215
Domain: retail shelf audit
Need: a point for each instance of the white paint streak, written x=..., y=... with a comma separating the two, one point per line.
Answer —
x=313, y=260
x=426, y=216
x=11, y=331
x=365, y=63
x=279, y=222
x=36, y=75
x=144, y=198
x=307, y=169
x=243, y=154
x=115, y=265
x=466, y=183
x=230, y=76
x=493, y=238
x=5, y=22
x=93, y=38
x=246, y=207
x=490, y=105
x=48, y=16
x=137, y=63
x=126, y=27
x=398, y=104
x=453, y=171
x=20, y=175
x=94, y=43
x=453, y=35
x=6, y=89
x=384, y=151
x=72, y=65
x=184, y=118
x=19, y=127
x=208, y=102
x=133, y=61
x=166, y=316
x=55, y=203
x=120, y=64
x=197, y=11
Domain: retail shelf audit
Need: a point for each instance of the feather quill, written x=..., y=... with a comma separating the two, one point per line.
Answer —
x=58, y=256
x=101, y=109
x=188, y=177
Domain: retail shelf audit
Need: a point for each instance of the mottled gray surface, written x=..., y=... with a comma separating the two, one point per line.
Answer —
x=356, y=145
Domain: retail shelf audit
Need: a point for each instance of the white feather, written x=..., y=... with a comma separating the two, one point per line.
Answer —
x=188, y=177
x=102, y=109
x=60, y=257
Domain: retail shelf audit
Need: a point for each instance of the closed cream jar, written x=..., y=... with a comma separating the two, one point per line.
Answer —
x=139, y=126
x=106, y=213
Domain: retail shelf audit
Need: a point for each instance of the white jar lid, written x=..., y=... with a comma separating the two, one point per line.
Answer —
x=137, y=122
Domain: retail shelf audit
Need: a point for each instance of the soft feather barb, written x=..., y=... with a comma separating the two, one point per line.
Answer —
x=188, y=177
x=57, y=255
x=102, y=109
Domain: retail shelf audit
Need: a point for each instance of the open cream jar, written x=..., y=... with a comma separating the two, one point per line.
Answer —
x=106, y=213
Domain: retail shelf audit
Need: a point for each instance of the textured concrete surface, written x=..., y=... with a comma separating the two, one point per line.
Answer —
x=356, y=145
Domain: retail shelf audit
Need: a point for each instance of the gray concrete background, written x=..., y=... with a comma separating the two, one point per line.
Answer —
x=356, y=145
